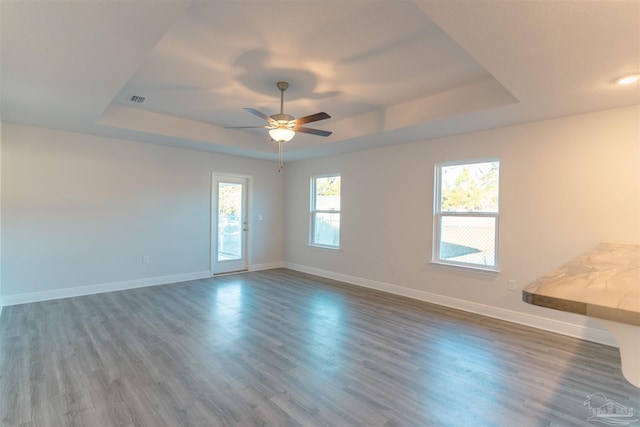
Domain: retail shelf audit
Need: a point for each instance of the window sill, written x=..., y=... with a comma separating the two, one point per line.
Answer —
x=331, y=248
x=478, y=269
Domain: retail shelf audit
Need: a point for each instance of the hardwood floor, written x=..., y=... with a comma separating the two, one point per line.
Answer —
x=281, y=348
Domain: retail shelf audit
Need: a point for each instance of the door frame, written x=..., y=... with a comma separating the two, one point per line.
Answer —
x=213, y=218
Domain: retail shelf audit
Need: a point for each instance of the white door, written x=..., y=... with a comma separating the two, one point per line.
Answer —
x=229, y=224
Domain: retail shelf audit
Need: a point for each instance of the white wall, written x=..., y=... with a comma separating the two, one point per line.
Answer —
x=81, y=211
x=566, y=184
x=1, y=300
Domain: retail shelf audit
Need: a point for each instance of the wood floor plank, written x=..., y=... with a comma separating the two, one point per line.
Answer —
x=283, y=348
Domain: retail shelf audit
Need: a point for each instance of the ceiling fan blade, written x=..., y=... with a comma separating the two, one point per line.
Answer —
x=259, y=114
x=312, y=131
x=312, y=118
x=245, y=127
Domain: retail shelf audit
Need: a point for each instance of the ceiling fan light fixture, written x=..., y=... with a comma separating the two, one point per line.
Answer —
x=282, y=134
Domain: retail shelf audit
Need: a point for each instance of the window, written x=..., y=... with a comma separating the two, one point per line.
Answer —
x=325, y=211
x=466, y=214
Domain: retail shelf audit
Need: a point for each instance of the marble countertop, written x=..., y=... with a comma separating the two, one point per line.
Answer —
x=602, y=283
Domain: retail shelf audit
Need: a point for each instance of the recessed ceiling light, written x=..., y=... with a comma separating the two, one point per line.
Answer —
x=626, y=80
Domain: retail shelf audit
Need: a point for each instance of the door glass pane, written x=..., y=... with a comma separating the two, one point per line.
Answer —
x=468, y=239
x=229, y=221
x=326, y=229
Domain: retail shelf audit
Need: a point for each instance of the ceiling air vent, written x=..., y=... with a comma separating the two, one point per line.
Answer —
x=136, y=98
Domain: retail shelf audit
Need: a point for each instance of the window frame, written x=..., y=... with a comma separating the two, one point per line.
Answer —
x=313, y=212
x=438, y=215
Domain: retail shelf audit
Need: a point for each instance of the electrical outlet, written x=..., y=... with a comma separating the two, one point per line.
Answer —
x=145, y=259
x=511, y=285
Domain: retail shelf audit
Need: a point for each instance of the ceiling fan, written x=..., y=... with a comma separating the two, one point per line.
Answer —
x=283, y=127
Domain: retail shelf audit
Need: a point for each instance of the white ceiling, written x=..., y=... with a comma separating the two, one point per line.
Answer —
x=386, y=71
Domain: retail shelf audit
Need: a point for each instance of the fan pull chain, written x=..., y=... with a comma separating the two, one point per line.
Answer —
x=280, y=156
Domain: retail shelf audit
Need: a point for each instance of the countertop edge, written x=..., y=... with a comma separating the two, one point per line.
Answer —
x=586, y=309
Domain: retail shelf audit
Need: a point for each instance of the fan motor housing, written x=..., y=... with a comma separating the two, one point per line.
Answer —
x=283, y=117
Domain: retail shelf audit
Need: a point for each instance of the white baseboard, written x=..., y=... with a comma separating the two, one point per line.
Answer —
x=266, y=266
x=101, y=288
x=557, y=326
